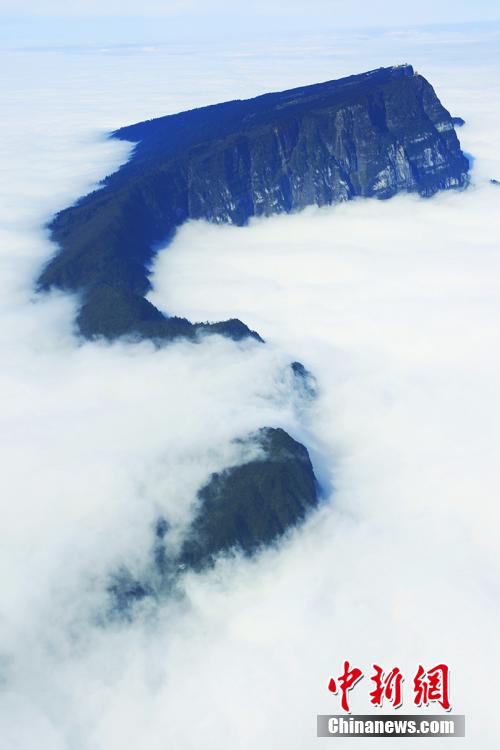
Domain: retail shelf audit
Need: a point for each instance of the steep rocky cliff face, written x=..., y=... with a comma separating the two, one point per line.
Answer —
x=374, y=134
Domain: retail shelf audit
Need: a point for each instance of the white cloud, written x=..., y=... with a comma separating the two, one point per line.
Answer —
x=394, y=306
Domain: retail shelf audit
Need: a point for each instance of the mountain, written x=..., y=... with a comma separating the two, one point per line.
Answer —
x=373, y=134
x=243, y=508
x=253, y=504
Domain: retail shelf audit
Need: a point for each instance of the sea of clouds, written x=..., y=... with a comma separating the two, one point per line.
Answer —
x=395, y=308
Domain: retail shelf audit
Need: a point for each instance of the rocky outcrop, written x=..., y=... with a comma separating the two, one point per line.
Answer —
x=241, y=509
x=253, y=504
x=374, y=134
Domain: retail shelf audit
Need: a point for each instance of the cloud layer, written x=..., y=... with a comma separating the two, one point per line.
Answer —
x=393, y=306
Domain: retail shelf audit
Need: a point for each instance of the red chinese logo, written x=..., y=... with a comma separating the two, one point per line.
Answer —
x=346, y=681
x=387, y=686
x=431, y=686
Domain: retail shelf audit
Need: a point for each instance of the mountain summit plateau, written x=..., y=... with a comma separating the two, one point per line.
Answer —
x=374, y=135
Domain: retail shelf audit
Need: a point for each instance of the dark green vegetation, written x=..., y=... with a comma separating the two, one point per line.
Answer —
x=373, y=134
x=255, y=503
x=111, y=311
x=242, y=508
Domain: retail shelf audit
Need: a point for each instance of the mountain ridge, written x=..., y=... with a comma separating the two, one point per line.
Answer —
x=372, y=134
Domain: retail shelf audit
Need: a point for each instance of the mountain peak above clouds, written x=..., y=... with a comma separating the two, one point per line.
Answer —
x=374, y=134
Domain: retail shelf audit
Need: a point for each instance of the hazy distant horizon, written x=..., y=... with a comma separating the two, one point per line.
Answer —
x=112, y=22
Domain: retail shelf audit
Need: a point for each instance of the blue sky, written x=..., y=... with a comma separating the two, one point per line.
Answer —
x=115, y=21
